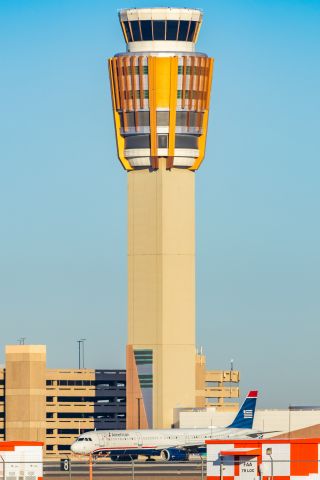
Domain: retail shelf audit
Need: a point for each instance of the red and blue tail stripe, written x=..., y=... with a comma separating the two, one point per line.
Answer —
x=245, y=416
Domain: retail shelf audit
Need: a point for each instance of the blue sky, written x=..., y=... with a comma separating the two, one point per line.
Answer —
x=63, y=192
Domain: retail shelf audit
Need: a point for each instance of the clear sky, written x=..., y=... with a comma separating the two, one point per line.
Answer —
x=63, y=192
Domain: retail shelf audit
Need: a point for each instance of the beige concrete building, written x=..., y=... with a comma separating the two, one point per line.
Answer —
x=216, y=388
x=291, y=422
x=25, y=392
x=55, y=405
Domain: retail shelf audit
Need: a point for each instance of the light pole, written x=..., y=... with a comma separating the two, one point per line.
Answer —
x=269, y=452
x=81, y=342
x=230, y=373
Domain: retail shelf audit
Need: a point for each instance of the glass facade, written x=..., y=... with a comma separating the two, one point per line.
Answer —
x=147, y=30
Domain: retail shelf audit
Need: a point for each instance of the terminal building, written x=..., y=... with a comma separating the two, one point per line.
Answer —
x=55, y=405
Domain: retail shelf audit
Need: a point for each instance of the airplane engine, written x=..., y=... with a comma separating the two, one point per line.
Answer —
x=174, y=455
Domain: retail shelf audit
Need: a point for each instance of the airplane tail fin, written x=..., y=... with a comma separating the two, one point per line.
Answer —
x=245, y=415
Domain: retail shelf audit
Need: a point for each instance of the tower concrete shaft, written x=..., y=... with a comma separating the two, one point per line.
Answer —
x=161, y=271
x=161, y=94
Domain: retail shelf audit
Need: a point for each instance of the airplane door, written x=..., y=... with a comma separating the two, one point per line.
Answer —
x=100, y=439
x=247, y=468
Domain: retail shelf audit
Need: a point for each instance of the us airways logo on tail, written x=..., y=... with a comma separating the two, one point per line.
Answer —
x=245, y=416
x=247, y=413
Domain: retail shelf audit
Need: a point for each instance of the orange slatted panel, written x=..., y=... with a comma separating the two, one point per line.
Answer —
x=205, y=84
x=191, y=83
x=133, y=86
x=184, y=79
x=200, y=90
x=127, y=83
x=115, y=82
x=121, y=92
x=140, y=60
x=198, y=83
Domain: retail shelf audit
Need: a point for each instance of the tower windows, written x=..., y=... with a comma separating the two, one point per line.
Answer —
x=137, y=141
x=183, y=30
x=147, y=30
x=172, y=29
x=162, y=141
x=187, y=141
x=159, y=30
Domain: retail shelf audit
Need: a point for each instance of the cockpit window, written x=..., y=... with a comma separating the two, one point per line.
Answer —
x=80, y=439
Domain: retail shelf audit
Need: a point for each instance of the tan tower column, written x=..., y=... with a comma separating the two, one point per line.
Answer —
x=161, y=273
x=25, y=392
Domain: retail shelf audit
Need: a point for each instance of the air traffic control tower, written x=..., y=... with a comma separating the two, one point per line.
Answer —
x=161, y=93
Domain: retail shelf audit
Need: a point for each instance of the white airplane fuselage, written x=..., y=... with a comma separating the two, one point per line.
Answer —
x=150, y=442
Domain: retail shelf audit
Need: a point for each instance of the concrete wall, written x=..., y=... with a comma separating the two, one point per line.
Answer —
x=161, y=282
x=25, y=380
x=276, y=421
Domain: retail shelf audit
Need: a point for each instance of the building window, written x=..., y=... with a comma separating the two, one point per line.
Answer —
x=49, y=382
x=68, y=431
x=49, y=447
x=158, y=30
x=49, y=414
x=64, y=447
x=49, y=399
x=49, y=431
x=127, y=29
x=137, y=141
x=172, y=29
x=135, y=30
x=187, y=141
x=162, y=119
x=162, y=141
x=146, y=29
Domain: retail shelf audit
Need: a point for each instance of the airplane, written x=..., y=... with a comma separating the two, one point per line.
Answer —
x=171, y=445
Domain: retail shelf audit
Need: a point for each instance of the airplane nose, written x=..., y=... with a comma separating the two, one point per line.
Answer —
x=74, y=448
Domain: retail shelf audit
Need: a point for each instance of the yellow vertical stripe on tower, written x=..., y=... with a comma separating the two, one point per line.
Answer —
x=203, y=137
x=173, y=104
x=152, y=72
x=209, y=83
x=163, y=65
x=116, y=117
